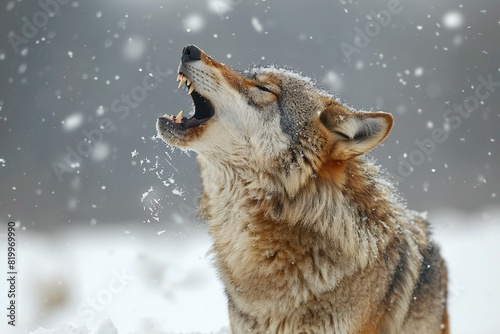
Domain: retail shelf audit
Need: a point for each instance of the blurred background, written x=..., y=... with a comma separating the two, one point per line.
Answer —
x=83, y=82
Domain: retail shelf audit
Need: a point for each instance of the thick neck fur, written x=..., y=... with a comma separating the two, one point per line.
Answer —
x=261, y=232
x=347, y=200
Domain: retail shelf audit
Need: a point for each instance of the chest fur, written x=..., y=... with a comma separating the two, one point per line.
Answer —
x=279, y=260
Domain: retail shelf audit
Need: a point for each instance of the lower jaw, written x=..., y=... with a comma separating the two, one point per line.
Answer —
x=170, y=134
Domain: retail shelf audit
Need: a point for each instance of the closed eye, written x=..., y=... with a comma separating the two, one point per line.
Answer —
x=343, y=135
x=263, y=88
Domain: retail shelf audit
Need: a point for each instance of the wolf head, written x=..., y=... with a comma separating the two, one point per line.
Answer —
x=267, y=119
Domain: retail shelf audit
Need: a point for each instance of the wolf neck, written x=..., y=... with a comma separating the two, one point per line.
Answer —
x=351, y=219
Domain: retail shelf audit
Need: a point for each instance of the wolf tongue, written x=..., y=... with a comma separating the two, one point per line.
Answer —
x=192, y=122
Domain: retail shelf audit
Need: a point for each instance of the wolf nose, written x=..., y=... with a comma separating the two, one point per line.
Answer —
x=191, y=53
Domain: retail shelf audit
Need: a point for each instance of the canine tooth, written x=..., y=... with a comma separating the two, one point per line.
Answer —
x=178, y=118
x=183, y=80
x=188, y=82
x=191, y=89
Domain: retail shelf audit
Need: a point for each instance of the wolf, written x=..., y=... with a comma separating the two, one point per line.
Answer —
x=308, y=236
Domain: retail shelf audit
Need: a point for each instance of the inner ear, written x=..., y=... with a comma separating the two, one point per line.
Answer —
x=359, y=132
x=363, y=126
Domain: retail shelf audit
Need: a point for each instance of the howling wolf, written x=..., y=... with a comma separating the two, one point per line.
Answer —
x=308, y=236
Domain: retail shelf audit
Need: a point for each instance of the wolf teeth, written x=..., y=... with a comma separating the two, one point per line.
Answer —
x=178, y=118
x=183, y=80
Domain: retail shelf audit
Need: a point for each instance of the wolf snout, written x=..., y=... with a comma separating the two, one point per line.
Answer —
x=191, y=53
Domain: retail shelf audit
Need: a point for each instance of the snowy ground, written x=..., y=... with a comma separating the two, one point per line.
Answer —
x=109, y=280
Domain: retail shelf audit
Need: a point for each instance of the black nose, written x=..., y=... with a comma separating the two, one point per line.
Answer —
x=191, y=53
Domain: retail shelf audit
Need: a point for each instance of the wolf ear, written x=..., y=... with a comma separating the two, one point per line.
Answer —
x=356, y=132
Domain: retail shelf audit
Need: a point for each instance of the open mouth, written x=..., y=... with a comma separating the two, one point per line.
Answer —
x=203, y=109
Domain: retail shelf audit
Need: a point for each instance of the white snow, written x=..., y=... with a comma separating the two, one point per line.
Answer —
x=100, y=110
x=141, y=282
x=22, y=68
x=144, y=195
x=72, y=122
x=470, y=245
x=221, y=7
x=194, y=23
x=418, y=71
x=112, y=280
x=134, y=48
x=10, y=6
x=178, y=192
x=101, y=151
x=453, y=20
x=333, y=81
x=257, y=25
